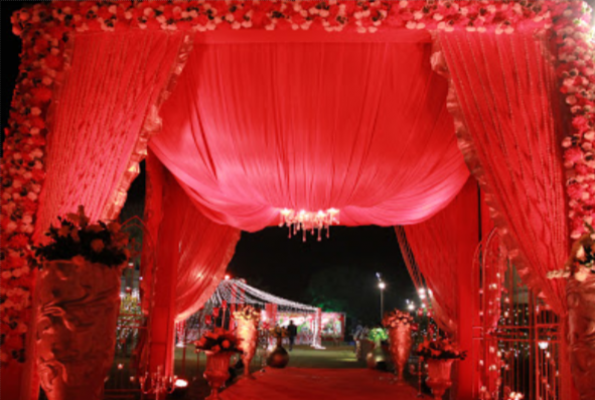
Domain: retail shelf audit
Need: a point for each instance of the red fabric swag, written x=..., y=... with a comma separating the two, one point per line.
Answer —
x=510, y=132
x=252, y=128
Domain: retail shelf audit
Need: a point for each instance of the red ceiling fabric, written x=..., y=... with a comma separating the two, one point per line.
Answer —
x=252, y=128
x=509, y=128
x=442, y=246
x=98, y=120
x=200, y=248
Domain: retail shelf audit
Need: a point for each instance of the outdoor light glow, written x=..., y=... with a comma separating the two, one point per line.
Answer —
x=382, y=285
x=411, y=306
x=181, y=383
x=543, y=345
x=226, y=277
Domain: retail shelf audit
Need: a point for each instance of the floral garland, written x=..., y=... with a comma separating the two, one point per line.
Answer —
x=45, y=30
x=397, y=318
x=43, y=60
x=581, y=263
x=332, y=15
x=576, y=71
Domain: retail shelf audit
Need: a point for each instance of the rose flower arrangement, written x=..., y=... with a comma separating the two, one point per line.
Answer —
x=397, y=318
x=76, y=239
x=218, y=340
x=247, y=313
x=440, y=349
x=278, y=332
x=581, y=262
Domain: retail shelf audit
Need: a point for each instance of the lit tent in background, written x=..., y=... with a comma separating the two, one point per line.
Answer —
x=234, y=293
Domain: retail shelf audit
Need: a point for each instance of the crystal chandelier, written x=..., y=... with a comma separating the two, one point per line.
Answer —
x=308, y=221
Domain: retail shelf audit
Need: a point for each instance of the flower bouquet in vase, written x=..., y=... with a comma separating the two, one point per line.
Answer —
x=77, y=310
x=399, y=325
x=247, y=319
x=579, y=273
x=278, y=358
x=219, y=345
x=375, y=359
x=439, y=355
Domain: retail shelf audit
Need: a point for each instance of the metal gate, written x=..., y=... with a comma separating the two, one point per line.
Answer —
x=121, y=381
x=517, y=336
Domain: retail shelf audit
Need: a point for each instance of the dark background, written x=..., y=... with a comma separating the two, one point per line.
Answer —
x=337, y=273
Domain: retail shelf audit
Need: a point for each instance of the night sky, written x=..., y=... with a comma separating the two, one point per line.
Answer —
x=268, y=259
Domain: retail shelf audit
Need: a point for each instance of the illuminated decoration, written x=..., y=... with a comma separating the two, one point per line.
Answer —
x=308, y=221
x=236, y=292
x=157, y=383
x=181, y=383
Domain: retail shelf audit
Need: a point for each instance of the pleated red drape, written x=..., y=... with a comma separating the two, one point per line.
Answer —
x=200, y=248
x=98, y=132
x=191, y=252
x=507, y=121
x=253, y=128
x=443, y=247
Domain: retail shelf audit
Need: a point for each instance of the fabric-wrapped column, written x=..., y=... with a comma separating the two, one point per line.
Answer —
x=192, y=255
x=101, y=119
x=503, y=99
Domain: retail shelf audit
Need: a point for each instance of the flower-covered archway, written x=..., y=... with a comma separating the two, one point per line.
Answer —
x=94, y=76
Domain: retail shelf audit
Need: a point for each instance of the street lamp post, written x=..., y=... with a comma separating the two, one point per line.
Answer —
x=382, y=286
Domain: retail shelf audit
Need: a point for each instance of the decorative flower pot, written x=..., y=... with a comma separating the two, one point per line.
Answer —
x=76, y=328
x=439, y=376
x=400, y=347
x=217, y=371
x=376, y=359
x=278, y=358
x=581, y=325
x=247, y=332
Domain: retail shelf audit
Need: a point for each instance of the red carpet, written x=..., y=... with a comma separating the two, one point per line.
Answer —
x=327, y=384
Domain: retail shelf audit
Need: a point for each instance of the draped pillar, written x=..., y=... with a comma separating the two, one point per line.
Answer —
x=102, y=116
x=504, y=101
x=192, y=254
x=443, y=248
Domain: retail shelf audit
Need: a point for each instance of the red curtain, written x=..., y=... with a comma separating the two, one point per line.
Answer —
x=98, y=133
x=200, y=248
x=443, y=247
x=97, y=127
x=253, y=128
x=507, y=121
x=184, y=259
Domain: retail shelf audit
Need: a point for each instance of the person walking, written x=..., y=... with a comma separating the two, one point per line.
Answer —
x=292, y=333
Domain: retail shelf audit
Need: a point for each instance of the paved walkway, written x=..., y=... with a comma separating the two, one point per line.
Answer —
x=319, y=383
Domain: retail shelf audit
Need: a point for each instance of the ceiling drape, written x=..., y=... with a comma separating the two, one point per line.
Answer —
x=508, y=122
x=253, y=128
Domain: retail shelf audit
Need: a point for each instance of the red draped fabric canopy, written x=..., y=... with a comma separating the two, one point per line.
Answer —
x=253, y=128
